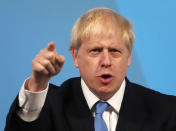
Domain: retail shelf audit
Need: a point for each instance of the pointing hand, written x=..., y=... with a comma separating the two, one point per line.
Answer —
x=46, y=64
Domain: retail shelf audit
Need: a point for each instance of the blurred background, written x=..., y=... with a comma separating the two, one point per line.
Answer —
x=27, y=26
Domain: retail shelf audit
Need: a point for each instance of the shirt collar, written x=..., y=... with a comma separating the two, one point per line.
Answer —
x=115, y=101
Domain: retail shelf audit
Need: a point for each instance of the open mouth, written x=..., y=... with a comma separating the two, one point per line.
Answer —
x=105, y=78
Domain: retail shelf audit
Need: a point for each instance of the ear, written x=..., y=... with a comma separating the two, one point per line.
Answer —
x=129, y=58
x=75, y=57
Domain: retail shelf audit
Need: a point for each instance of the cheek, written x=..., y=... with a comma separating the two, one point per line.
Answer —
x=120, y=65
x=89, y=63
x=86, y=66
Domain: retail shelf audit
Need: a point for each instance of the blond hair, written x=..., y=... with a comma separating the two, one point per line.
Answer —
x=101, y=21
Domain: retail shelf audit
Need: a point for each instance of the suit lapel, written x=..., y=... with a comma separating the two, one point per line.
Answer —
x=132, y=113
x=78, y=114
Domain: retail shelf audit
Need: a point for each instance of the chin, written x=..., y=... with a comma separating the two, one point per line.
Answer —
x=105, y=91
x=104, y=95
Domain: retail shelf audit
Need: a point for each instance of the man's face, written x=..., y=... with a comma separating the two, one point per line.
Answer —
x=103, y=63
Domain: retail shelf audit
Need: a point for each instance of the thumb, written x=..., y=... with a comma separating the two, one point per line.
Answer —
x=51, y=46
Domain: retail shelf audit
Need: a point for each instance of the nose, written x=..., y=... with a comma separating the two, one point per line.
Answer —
x=106, y=60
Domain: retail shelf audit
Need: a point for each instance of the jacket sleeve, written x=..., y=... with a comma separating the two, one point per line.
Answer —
x=15, y=123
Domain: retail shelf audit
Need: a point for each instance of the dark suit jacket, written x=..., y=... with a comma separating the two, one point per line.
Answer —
x=66, y=109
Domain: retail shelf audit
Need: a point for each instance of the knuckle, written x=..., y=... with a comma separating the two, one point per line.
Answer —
x=51, y=55
x=46, y=63
x=41, y=51
x=38, y=56
x=33, y=61
x=41, y=69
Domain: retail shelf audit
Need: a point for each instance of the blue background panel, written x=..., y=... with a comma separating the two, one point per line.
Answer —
x=27, y=26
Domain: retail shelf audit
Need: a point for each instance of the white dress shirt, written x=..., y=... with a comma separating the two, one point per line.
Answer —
x=111, y=115
x=31, y=104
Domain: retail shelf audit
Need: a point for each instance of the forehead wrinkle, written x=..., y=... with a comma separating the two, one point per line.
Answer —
x=102, y=43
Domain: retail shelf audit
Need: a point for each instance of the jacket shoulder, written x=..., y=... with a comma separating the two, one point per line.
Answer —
x=152, y=97
x=64, y=86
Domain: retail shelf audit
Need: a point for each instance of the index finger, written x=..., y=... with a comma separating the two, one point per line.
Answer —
x=51, y=46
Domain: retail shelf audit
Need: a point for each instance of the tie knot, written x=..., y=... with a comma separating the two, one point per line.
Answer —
x=101, y=107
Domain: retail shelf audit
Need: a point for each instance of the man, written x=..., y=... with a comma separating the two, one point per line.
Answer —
x=101, y=46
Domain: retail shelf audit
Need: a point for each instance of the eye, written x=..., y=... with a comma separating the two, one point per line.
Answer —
x=113, y=50
x=96, y=50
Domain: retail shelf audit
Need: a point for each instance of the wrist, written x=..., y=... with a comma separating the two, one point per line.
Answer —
x=35, y=85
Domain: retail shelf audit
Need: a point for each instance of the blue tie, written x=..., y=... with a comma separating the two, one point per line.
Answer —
x=100, y=124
